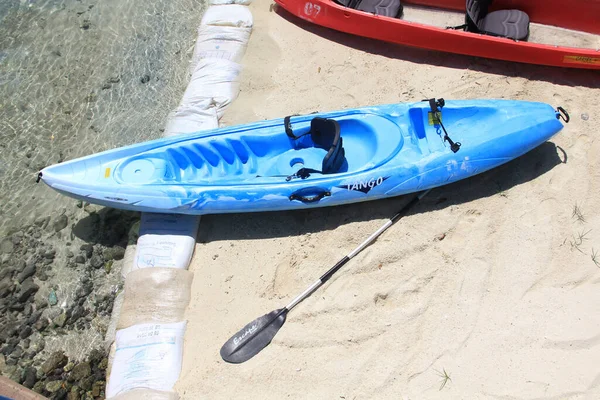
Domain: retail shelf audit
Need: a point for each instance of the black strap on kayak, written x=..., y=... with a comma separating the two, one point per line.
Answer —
x=288, y=128
x=436, y=115
x=303, y=173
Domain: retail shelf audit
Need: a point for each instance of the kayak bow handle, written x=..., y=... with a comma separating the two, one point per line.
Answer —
x=562, y=113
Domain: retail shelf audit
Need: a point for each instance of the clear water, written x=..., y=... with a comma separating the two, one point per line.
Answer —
x=79, y=77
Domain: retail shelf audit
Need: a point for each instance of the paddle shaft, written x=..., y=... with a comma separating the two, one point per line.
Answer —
x=327, y=275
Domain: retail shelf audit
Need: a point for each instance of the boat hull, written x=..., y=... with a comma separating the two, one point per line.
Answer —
x=332, y=15
x=390, y=150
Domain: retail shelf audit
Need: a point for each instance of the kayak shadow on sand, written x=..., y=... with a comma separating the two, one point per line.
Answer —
x=556, y=75
x=274, y=224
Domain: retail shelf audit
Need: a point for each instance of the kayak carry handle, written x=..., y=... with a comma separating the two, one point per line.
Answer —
x=39, y=177
x=308, y=198
x=562, y=113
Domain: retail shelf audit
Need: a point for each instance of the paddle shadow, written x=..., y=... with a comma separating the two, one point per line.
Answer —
x=556, y=75
x=495, y=182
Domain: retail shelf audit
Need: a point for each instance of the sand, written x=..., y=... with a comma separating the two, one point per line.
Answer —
x=487, y=279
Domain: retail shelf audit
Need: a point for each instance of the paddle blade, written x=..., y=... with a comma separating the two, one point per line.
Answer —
x=254, y=337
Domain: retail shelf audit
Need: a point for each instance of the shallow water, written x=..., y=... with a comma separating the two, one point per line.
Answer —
x=79, y=77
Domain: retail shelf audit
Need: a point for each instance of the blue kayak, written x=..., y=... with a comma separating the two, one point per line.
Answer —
x=315, y=160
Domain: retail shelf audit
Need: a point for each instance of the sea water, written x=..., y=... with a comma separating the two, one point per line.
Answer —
x=80, y=77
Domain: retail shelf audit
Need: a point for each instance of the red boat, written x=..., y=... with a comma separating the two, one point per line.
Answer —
x=419, y=24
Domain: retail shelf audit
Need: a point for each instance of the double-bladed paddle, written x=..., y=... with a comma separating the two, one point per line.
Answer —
x=257, y=335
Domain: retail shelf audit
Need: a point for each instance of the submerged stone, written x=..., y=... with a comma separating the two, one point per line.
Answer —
x=52, y=299
x=56, y=360
x=60, y=223
x=27, y=289
x=80, y=371
x=54, y=386
x=60, y=320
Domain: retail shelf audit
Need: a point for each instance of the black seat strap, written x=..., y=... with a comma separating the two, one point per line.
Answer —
x=303, y=173
x=288, y=127
x=463, y=26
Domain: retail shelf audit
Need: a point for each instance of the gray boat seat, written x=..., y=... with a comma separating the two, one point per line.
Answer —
x=386, y=8
x=513, y=24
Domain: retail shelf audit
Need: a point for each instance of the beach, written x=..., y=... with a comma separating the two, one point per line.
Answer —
x=487, y=289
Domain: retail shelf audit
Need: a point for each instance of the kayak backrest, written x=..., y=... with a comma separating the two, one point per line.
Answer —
x=386, y=8
x=512, y=24
x=325, y=134
x=476, y=11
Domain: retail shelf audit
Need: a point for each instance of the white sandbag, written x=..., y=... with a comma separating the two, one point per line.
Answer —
x=155, y=295
x=147, y=356
x=223, y=42
x=146, y=394
x=135, y=394
x=191, y=118
x=166, y=240
x=228, y=15
x=215, y=80
x=222, y=2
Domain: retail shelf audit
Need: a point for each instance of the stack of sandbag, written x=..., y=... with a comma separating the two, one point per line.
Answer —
x=148, y=325
x=222, y=40
x=148, y=346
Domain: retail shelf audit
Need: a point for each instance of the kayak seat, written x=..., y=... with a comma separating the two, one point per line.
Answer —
x=386, y=8
x=325, y=134
x=512, y=24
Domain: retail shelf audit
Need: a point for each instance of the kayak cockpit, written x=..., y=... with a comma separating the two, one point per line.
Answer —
x=324, y=134
x=366, y=141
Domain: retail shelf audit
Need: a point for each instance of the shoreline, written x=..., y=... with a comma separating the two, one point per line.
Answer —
x=77, y=78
